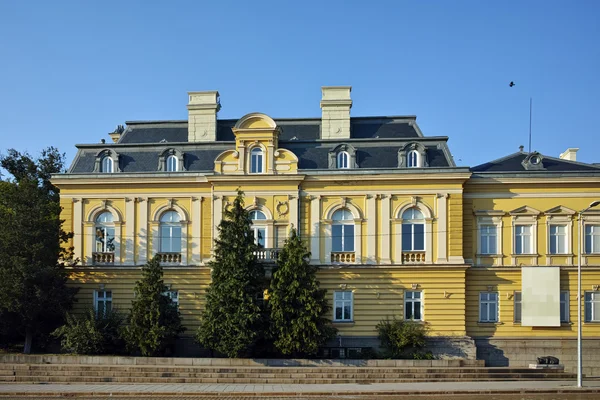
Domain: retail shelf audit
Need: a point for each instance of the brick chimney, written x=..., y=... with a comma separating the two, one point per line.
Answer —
x=570, y=154
x=202, y=116
x=335, y=105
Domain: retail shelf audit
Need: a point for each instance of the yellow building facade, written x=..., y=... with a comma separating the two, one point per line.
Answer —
x=396, y=228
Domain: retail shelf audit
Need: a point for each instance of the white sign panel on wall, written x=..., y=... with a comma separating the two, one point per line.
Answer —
x=540, y=296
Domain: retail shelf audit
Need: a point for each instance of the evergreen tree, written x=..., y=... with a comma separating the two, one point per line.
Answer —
x=233, y=321
x=298, y=307
x=154, y=322
x=33, y=293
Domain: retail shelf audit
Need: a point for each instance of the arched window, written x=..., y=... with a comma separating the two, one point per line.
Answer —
x=342, y=234
x=170, y=232
x=256, y=160
x=413, y=159
x=413, y=230
x=172, y=163
x=343, y=160
x=105, y=233
x=106, y=165
x=259, y=229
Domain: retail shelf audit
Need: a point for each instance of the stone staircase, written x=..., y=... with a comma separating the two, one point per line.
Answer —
x=102, y=373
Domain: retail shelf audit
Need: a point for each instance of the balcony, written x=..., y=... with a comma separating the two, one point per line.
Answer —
x=169, y=258
x=413, y=257
x=103, y=258
x=343, y=257
x=265, y=255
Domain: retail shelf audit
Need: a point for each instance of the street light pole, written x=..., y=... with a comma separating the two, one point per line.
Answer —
x=579, y=320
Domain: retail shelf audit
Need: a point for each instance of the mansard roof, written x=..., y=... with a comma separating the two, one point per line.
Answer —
x=516, y=163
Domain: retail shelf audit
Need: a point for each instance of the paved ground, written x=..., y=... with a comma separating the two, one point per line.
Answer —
x=338, y=391
x=571, y=396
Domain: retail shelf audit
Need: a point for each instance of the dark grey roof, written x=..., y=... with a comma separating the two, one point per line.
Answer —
x=513, y=163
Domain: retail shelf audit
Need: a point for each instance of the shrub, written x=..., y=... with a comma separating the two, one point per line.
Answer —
x=402, y=339
x=91, y=333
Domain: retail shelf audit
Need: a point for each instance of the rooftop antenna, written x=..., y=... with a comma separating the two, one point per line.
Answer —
x=511, y=84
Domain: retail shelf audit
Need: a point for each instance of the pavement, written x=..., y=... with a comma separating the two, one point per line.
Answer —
x=316, y=390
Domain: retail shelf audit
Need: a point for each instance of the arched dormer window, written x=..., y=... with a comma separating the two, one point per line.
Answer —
x=105, y=233
x=343, y=160
x=259, y=228
x=171, y=160
x=412, y=155
x=342, y=233
x=413, y=159
x=256, y=160
x=170, y=232
x=106, y=165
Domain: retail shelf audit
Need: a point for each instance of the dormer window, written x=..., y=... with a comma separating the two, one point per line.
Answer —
x=413, y=159
x=256, y=161
x=107, y=165
x=343, y=160
x=172, y=163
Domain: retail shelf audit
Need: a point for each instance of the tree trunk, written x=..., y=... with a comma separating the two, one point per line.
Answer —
x=28, y=340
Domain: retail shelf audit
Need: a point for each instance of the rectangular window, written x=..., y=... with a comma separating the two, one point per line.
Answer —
x=260, y=236
x=564, y=306
x=488, y=307
x=413, y=237
x=558, y=239
x=413, y=305
x=105, y=237
x=342, y=237
x=517, y=299
x=102, y=301
x=592, y=306
x=174, y=296
x=488, y=239
x=523, y=239
x=592, y=239
x=170, y=239
x=342, y=306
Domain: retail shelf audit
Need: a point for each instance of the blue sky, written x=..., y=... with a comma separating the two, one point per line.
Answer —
x=70, y=71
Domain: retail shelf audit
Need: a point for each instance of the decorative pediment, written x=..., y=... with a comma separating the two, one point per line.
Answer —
x=560, y=210
x=525, y=210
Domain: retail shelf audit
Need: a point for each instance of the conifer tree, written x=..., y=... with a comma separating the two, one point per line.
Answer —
x=233, y=320
x=154, y=322
x=298, y=306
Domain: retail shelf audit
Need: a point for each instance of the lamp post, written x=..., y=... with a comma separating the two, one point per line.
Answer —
x=579, y=321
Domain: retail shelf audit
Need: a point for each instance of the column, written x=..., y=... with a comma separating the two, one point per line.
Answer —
x=217, y=215
x=371, y=229
x=442, y=227
x=143, y=230
x=129, y=231
x=293, y=215
x=358, y=240
x=386, y=237
x=196, y=239
x=78, y=229
x=315, y=218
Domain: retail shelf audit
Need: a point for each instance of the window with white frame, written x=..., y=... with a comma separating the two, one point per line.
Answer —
x=488, y=307
x=258, y=227
x=170, y=232
x=105, y=233
x=102, y=301
x=558, y=239
x=592, y=306
x=592, y=239
x=488, y=239
x=342, y=231
x=412, y=159
x=172, y=163
x=523, y=239
x=413, y=305
x=413, y=230
x=173, y=295
x=256, y=160
x=517, y=308
x=342, y=306
x=106, y=165
x=564, y=306
x=343, y=160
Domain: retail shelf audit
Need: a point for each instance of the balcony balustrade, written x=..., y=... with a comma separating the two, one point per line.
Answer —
x=172, y=258
x=343, y=257
x=413, y=257
x=103, y=258
x=267, y=255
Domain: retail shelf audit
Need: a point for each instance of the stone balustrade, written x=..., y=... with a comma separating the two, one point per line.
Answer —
x=343, y=257
x=103, y=258
x=413, y=257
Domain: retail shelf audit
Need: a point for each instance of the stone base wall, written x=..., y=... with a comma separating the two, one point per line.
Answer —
x=520, y=352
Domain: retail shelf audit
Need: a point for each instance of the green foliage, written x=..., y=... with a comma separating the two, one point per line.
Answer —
x=33, y=292
x=297, y=305
x=233, y=321
x=91, y=333
x=154, y=322
x=402, y=339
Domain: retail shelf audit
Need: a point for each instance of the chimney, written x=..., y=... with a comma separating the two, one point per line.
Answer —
x=116, y=134
x=570, y=154
x=202, y=116
x=335, y=105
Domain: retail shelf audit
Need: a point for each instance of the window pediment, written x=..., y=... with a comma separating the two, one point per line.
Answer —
x=525, y=211
x=340, y=149
x=164, y=155
x=560, y=210
x=102, y=155
x=408, y=158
